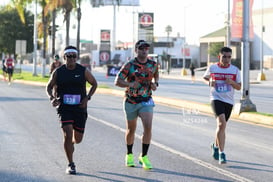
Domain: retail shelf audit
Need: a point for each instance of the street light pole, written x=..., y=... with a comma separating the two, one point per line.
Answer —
x=261, y=75
x=35, y=41
x=183, y=71
x=245, y=104
x=114, y=27
x=228, y=25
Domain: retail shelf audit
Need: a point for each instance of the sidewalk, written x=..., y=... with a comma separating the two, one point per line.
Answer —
x=175, y=73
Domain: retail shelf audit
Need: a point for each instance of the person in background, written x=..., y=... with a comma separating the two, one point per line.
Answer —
x=192, y=68
x=223, y=78
x=4, y=68
x=140, y=77
x=55, y=64
x=9, y=63
x=71, y=100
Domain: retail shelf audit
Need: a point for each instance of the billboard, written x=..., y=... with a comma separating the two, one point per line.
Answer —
x=146, y=26
x=97, y=3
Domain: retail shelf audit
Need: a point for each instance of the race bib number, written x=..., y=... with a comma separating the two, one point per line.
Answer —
x=150, y=102
x=71, y=99
x=222, y=87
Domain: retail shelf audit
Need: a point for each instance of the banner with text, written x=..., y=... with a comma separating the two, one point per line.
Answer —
x=237, y=20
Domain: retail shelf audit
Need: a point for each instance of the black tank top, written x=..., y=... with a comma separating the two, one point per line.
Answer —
x=71, y=82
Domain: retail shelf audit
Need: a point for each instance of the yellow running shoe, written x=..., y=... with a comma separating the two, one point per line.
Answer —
x=145, y=162
x=129, y=160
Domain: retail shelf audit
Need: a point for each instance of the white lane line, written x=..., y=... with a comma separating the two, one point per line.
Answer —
x=181, y=154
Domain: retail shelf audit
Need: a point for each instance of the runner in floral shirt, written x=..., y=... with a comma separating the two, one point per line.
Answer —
x=140, y=77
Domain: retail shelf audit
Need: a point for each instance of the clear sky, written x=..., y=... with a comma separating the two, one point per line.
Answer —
x=192, y=19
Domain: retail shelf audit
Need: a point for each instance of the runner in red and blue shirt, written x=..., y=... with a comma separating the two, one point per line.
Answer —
x=223, y=78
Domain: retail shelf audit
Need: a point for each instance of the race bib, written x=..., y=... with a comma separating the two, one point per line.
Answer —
x=71, y=99
x=150, y=102
x=222, y=87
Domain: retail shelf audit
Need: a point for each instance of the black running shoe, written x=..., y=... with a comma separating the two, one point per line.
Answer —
x=71, y=169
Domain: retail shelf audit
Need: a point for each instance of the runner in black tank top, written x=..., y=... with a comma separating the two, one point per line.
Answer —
x=71, y=100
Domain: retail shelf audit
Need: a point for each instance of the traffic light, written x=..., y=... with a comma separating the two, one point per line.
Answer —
x=50, y=28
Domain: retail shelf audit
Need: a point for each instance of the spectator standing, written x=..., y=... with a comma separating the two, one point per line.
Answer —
x=4, y=68
x=192, y=68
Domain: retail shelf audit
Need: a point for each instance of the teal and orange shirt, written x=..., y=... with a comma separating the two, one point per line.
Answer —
x=143, y=73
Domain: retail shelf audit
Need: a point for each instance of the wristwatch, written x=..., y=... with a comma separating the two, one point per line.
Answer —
x=156, y=83
x=88, y=97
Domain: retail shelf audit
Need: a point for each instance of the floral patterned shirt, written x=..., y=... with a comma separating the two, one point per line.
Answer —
x=143, y=73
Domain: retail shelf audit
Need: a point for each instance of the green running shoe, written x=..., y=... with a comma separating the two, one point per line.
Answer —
x=129, y=160
x=145, y=162
x=222, y=158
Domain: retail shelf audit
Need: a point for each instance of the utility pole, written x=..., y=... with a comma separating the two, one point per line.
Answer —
x=245, y=104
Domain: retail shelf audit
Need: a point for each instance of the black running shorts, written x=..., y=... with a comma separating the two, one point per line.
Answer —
x=220, y=107
x=76, y=118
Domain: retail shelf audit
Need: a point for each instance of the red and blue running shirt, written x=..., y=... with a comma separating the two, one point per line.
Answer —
x=9, y=63
x=222, y=91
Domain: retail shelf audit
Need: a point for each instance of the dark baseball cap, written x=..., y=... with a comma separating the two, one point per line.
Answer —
x=57, y=57
x=142, y=43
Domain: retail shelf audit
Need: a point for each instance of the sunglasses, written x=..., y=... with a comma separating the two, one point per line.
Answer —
x=143, y=48
x=71, y=56
x=226, y=56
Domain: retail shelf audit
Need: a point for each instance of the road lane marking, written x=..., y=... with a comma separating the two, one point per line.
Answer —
x=181, y=154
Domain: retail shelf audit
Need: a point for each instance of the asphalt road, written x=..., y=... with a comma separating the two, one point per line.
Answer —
x=31, y=143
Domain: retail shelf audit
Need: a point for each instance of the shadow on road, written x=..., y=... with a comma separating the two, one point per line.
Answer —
x=15, y=99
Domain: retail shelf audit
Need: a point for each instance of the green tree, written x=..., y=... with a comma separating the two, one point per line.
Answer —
x=12, y=29
x=215, y=48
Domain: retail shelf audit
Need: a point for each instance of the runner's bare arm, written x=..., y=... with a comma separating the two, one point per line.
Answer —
x=92, y=81
x=234, y=84
x=123, y=83
x=50, y=85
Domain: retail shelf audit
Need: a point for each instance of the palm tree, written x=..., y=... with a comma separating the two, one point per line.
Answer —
x=67, y=6
x=20, y=6
x=52, y=7
x=168, y=30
